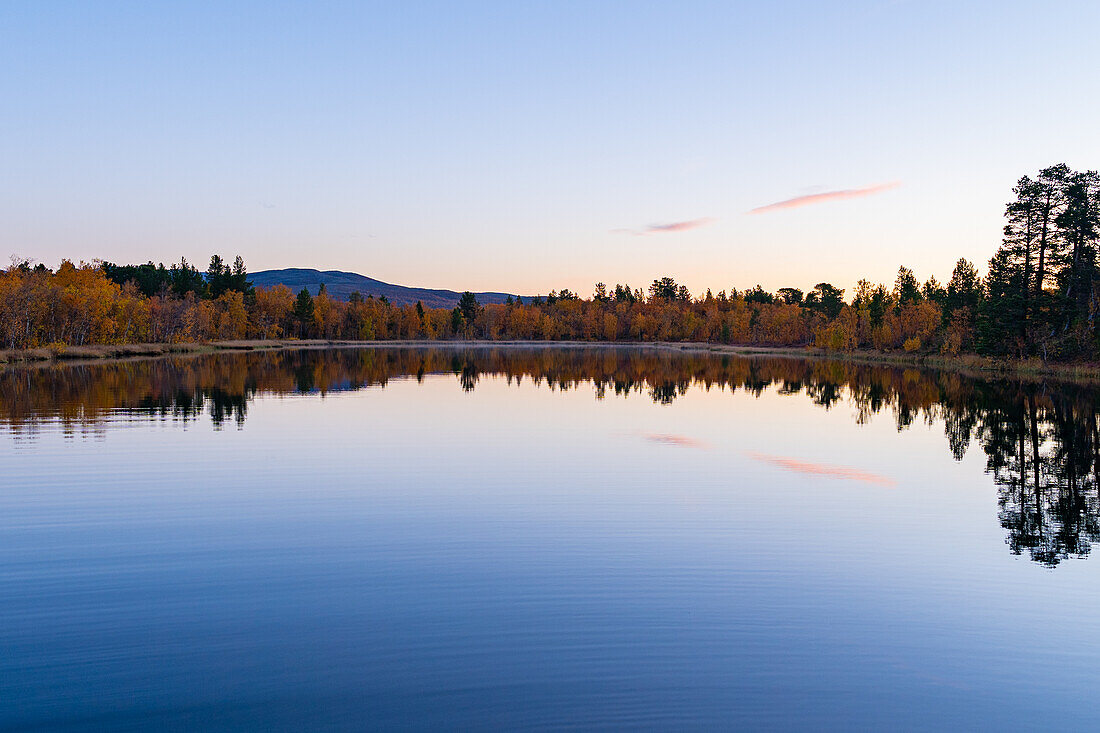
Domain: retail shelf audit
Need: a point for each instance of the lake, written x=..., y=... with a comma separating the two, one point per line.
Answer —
x=540, y=538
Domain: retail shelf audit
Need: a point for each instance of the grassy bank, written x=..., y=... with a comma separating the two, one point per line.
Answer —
x=971, y=365
x=122, y=351
x=966, y=364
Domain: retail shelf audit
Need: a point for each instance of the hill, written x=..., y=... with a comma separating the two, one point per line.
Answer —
x=341, y=285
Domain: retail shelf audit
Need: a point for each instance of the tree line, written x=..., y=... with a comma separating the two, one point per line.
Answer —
x=1039, y=298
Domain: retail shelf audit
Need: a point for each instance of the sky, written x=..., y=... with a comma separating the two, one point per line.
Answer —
x=530, y=146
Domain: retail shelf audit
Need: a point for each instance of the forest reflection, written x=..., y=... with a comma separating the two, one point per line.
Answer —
x=1041, y=440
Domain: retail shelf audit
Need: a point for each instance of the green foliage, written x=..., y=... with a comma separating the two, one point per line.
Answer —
x=150, y=279
x=664, y=289
x=469, y=306
x=880, y=303
x=304, y=309
x=906, y=288
x=623, y=294
x=933, y=291
x=826, y=299
x=1002, y=309
x=187, y=279
x=221, y=278
x=790, y=296
x=182, y=278
x=964, y=290
x=1050, y=238
x=758, y=295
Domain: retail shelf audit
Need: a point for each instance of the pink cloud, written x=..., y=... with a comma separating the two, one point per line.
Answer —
x=816, y=198
x=679, y=226
x=672, y=439
x=822, y=469
x=675, y=226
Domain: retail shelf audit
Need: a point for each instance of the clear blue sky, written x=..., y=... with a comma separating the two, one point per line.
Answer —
x=526, y=146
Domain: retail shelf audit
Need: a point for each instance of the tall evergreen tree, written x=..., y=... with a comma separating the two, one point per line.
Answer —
x=186, y=278
x=1021, y=244
x=1051, y=184
x=1077, y=226
x=964, y=290
x=469, y=306
x=238, y=278
x=826, y=299
x=1002, y=309
x=906, y=287
x=303, y=311
x=663, y=289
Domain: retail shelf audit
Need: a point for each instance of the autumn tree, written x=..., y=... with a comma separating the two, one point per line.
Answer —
x=272, y=310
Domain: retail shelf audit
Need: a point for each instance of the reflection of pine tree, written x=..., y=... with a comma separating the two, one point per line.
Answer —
x=1075, y=467
x=1021, y=496
x=825, y=393
x=959, y=426
x=666, y=392
x=468, y=377
x=1042, y=452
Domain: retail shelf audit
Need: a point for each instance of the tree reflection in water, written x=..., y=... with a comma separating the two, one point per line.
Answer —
x=1041, y=440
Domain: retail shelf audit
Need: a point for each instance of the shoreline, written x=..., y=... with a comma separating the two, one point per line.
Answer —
x=967, y=365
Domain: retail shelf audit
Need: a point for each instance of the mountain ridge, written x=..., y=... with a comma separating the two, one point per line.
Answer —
x=340, y=284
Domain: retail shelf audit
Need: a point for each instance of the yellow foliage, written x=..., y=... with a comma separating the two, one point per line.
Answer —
x=79, y=304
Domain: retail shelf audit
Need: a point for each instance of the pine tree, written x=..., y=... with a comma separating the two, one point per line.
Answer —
x=303, y=311
x=906, y=288
x=469, y=306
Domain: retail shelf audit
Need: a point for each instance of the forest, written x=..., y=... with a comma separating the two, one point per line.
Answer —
x=1038, y=298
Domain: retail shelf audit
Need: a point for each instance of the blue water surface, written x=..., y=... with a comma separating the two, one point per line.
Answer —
x=293, y=542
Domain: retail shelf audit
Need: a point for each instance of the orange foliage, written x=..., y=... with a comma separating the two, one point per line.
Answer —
x=79, y=305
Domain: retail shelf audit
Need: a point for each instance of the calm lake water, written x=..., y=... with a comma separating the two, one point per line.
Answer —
x=544, y=538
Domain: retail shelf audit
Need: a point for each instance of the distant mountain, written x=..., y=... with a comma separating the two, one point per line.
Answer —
x=341, y=285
